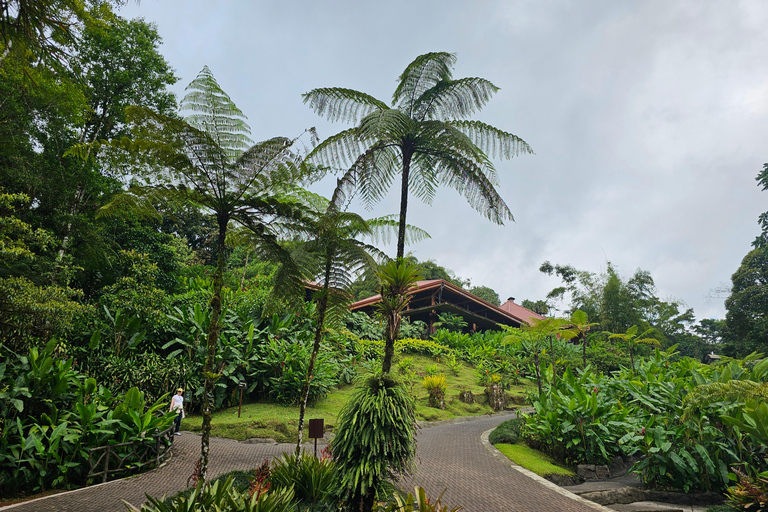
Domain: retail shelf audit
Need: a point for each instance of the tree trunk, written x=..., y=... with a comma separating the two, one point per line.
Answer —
x=538, y=371
x=403, y=203
x=390, y=333
x=322, y=306
x=210, y=358
x=554, y=364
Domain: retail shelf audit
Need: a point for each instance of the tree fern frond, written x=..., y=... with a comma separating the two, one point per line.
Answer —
x=339, y=104
x=420, y=75
x=451, y=99
x=382, y=229
x=470, y=180
x=132, y=203
x=494, y=142
x=388, y=124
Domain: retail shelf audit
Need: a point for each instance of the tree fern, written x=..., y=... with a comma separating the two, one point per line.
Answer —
x=424, y=138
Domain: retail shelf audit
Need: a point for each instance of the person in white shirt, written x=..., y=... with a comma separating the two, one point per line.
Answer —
x=177, y=404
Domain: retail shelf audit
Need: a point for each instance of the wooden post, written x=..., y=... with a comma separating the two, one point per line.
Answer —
x=106, y=466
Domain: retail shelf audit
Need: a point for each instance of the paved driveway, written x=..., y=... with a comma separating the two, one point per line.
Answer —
x=449, y=456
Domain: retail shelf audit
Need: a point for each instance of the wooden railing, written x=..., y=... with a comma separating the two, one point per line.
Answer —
x=114, y=459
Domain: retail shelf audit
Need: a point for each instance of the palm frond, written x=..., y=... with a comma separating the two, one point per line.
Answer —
x=421, y=75
x=452, y=99
x=494, y=142
x=339, y=104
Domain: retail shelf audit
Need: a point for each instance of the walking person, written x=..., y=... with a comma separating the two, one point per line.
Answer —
x=177, y=404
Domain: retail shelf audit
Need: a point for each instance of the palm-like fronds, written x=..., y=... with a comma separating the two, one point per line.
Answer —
x=425, y=138
x=208, y=160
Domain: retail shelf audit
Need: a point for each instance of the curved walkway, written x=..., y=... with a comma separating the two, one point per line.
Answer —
x=450, y=456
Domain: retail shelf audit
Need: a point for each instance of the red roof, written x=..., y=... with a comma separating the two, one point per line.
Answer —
x=520, y=312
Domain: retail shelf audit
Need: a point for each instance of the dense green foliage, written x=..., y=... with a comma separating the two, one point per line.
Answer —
x=51, y=415
x=688, y=444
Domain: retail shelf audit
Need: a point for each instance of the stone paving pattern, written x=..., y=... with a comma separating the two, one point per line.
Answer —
x=450, y=457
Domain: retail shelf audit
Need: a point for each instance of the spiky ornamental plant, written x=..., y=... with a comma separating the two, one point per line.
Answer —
x=208, y=160
x=424, y=137
x=334, y=252
x=375, y=440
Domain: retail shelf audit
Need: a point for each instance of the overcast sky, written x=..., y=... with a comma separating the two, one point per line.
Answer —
x=648, y=119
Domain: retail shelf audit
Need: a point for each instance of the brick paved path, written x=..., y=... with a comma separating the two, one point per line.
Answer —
x=226, y=455
x=450, y=456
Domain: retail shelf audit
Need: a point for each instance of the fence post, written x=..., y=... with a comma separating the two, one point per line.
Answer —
x=158, y=436
x=106, y=465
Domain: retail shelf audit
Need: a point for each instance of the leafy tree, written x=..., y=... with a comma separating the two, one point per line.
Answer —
x=617, y=304
x=762, y=240
x=207, y=160
x=540, y=306
x=29, y=313
x=745, y=319
x=487, y=294
x=424, y=137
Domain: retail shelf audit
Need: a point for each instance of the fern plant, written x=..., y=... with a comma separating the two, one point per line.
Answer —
x=208, y=160
x=424, y=137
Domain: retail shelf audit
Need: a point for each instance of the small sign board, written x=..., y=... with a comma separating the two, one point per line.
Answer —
x=242, y=384
x=316, y=428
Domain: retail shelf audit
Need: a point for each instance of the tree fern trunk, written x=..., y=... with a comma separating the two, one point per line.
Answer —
x=210, y=358
x=322, y=307
x=403, y=203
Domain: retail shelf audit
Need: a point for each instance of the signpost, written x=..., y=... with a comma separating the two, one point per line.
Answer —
x=316, y=429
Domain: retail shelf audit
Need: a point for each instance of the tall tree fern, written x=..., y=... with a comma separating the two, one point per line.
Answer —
x=425, y=137
x=208, y=160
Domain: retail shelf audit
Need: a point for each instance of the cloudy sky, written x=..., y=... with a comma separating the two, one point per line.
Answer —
x=648, y=119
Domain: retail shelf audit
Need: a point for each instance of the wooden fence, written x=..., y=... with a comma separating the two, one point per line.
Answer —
x=113, y=459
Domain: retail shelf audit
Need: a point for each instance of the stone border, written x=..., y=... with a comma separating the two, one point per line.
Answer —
x=543, y=481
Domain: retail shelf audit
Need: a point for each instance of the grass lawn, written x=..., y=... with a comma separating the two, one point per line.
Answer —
x=280, y=421
x=532, y=460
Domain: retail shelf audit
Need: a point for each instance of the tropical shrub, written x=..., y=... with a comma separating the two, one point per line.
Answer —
x=580, y=421
x=418, y=502
x=313, y=479
x=507, y=432
x=375, y=440
x=222, y=496
x=435, y=386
